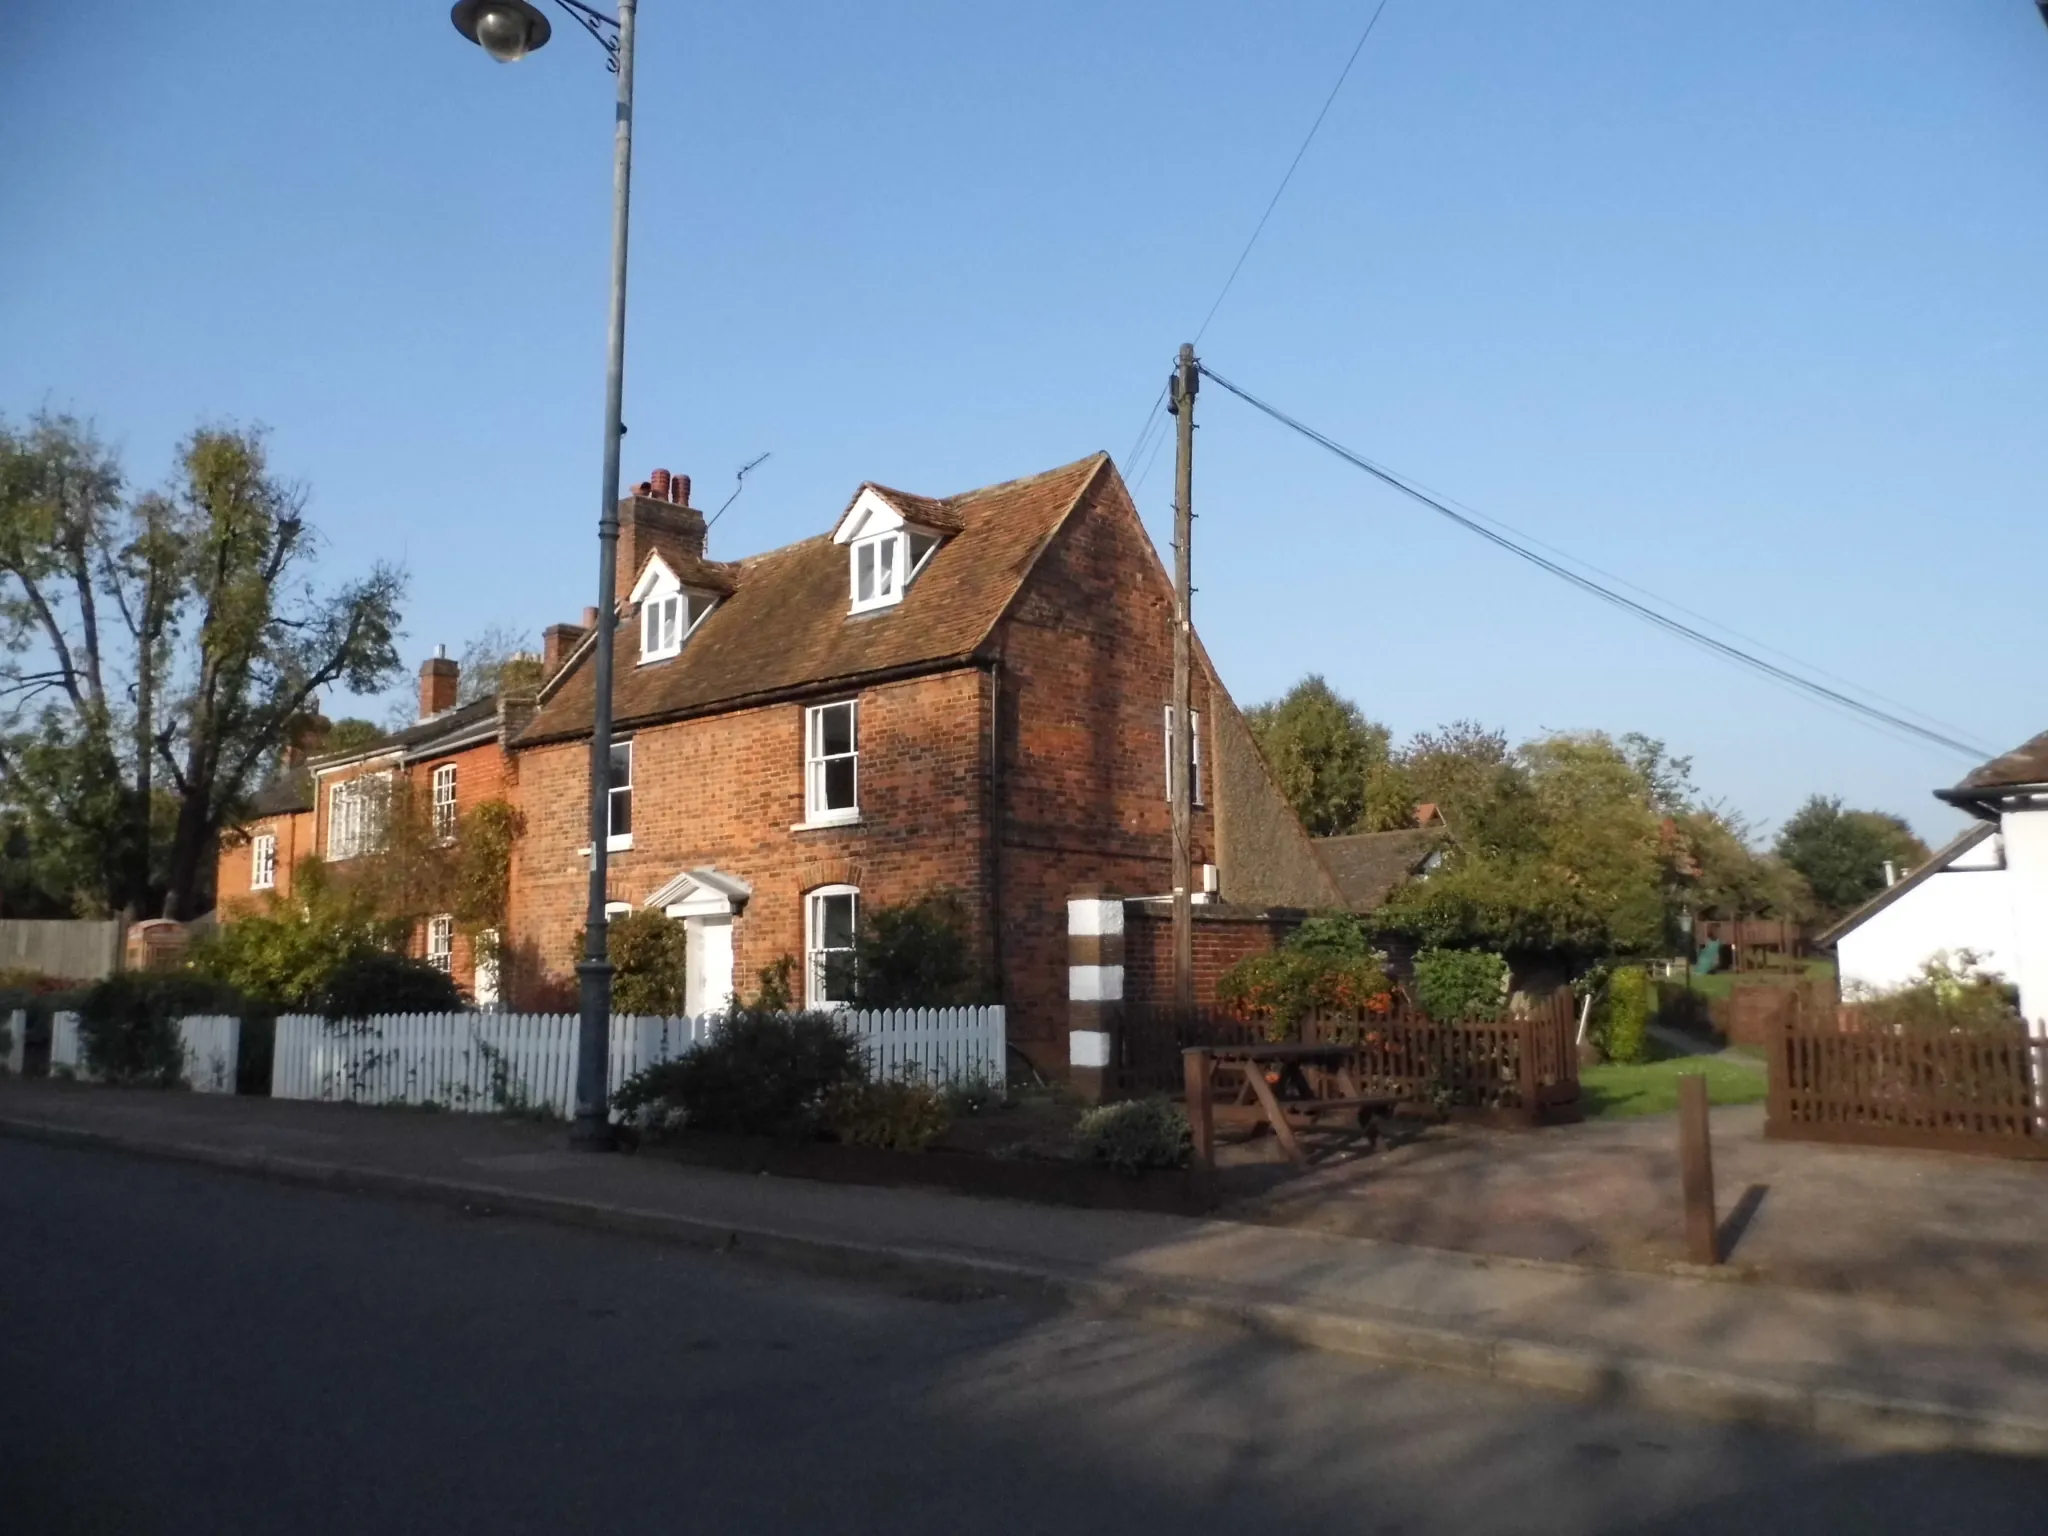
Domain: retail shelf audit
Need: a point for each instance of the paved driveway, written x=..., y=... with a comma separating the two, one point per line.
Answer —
x=1922, y=1227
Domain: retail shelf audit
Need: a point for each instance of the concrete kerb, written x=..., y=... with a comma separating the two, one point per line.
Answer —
x=1874, y=1420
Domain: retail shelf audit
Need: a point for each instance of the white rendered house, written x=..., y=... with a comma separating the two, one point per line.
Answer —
x=1986, y=892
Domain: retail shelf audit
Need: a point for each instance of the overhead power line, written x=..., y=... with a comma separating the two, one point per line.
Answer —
x=1472, y=524
x=1292, y=166
x=1153, y=416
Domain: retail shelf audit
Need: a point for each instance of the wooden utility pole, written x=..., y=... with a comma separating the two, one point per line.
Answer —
x=1187, y=378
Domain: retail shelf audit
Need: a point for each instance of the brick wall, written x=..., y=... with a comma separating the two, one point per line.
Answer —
x=294, y=834
x=726, y=792
x=1086, y=673
x=1223, y=936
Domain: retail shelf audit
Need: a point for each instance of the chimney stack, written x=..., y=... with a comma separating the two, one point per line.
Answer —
x=439, y=677
x=556, y=642
x=658, y=519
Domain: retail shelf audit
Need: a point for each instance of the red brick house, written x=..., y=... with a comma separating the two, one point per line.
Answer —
x=968, y=693
x=333, y=806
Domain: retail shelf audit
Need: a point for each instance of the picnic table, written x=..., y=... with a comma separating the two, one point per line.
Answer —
x=1289, y=1086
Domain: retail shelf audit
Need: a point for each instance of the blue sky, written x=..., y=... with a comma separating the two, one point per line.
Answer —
x=1743, y=303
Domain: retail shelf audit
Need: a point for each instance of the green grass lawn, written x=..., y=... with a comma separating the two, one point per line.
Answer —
x=1721, y=983
x=1651, y=1088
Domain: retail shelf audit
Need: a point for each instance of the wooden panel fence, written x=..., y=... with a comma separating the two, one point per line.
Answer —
x=1832, y=1078
x=1526, y=1067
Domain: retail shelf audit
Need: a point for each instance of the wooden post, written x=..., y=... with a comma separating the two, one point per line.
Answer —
x=1186, y=380
x=1778, y=1065
x=1696, y=1170
x=1195, y=1065
x=1526, y=1028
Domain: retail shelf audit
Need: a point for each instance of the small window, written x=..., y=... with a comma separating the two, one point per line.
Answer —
x=620, y=802
x=263, y=863
x=441, y=942
x=444, y=802
x=832, y=762
x=1195, y=742
x=830, y=916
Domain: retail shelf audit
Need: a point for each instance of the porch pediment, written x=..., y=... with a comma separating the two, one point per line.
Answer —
x=701, y=893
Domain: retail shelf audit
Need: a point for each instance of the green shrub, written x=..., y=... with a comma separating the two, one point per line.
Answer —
x=917, y=954
x=1135, y=1135
x=905, y=1114
x=647, y=955
x=286, y=951
x=1453, y=985
x=760, y=1074
x=1951, y=995
x=381, y=982
x=1625, y=1016
x=1290, y=984
x=128, y=1024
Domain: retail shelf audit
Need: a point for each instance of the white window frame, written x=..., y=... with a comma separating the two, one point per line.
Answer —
x=355, y=815
x=814, y=954
x=441, y=942
x=445, y=816
x=263, y=862
x=894, y=561
x=1194, y=753
x=669, y=618
x=817, y=764
x=616, y=842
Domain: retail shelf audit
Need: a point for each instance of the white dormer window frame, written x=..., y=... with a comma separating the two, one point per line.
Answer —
x=885, y=552
x=669, y=611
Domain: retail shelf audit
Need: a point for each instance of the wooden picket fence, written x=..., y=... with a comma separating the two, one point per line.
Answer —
x=1833, y=1078
x=1525, y=1068
x=496, y=1062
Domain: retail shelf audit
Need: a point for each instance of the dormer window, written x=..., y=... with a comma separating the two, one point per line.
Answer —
x=885, y=551
x=666, y=622
x=669, y=611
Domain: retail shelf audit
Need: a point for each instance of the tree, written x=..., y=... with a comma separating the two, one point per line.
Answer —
x=1557, y=851
x=1842, y=853
x=156, y=651
x=350, y=734
x=1324, y=753
x=496, y=659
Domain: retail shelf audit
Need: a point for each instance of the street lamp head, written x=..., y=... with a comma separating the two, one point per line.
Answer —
x=508, y=30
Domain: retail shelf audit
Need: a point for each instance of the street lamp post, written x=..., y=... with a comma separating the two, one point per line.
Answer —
x=508, y=30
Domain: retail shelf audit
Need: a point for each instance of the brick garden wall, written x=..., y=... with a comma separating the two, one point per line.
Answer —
x=1223, y=936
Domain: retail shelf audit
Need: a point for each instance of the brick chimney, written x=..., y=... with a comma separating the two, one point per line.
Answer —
x=556, y=642
x=657, y=518
x=439, y=676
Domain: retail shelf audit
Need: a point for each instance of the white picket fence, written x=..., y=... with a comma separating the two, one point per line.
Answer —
x=946, y=1045
x=467, y=1061
x=212, y=1043
x=65, y=1052
x=496, y=1061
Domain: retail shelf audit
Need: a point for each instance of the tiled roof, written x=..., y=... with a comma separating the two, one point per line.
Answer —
x=423, y=736
x=1367, y=866
x=291, y=791
x=786, y=626
x=2026, y=763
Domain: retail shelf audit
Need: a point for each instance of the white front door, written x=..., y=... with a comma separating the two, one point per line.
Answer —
x=707, y=986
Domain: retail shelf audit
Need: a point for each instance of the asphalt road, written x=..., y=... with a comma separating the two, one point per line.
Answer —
x=184, y=1351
